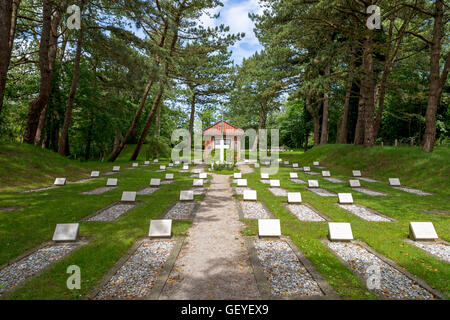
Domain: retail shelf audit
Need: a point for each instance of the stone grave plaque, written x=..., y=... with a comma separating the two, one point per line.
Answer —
x=345, y=198
x=185, y=167
x=307, y=169
x=340, y=231
x=295, y=165
x=203, y=175
x=111, y=182
x=60, y=181
x=170, y=165
x=237, y=175
x=422, y=231
x=242, y=182
x=356, y=173
x=116, y=169
x=326, y=174
x=162, y=167
x=355, y=183
x=177, y=163
x=313, y=183
x=95, y=174
x=250, y=195
x=256, y=165
x=146, y=163
x=135, y=165
x=155, y=161
x=169, y=176
x=269, y=228
x=129, y=196
x=316, y=163
x=286, y=163
x=275, y=183
x=155, y=182
x=198, y=183
x=66, y=232
x=160, y=228
x=294, y=197
x=264, y=176
x=394, y=181
x=293, y=175
x=187, y=195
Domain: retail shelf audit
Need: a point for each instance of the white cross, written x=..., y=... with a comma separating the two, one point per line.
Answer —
x=222, y=147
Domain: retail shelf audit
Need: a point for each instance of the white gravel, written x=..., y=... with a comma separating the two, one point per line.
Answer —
x=147, y=191
x=366, y=179
x=370, y=192
x=112, y=213
x=100, y=190
x=265, y=181
x=334, y=180
x=363, y=212
x=393, y=283
x=85, y=180
x=304, y=213
x=30, y=265
x=440, y=250
x=414, y=191
x=254, y=210
x=40, y=189
x=279, y=192
x=110, y=173
x=240, y=190
x=287, y=276
x=181, y=211
x=198, y=190
x=138, y=274
x=298, y=181
x=312, y=173
x=322, y=192
x=166, y=181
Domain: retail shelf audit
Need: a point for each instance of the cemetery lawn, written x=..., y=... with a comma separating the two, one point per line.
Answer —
x=25, y=229
x=427, y=172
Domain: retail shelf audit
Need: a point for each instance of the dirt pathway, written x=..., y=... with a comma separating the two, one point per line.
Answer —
x=214, y=262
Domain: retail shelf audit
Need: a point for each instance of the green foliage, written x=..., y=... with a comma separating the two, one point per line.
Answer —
x=157, y=148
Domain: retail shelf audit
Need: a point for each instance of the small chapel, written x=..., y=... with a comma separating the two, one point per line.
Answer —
x=222, y=135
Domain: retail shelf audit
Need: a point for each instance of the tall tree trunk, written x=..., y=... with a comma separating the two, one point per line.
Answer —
x=436, y=80
x=148, y=123
x=87, y=151
x=63, y=141
x=47, y=55
x=8, y=22
x=369, y=93
x=41, y=125
x=326, y=103
x=191, y=118
x=342, y=136
x=359, y=130
x=316, y=120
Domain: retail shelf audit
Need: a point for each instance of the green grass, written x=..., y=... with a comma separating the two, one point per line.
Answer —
x=414, y=169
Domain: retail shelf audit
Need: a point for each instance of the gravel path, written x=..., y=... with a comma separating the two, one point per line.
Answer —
x=240, y=190
x=304, y=213
x=30, y=265
x=393, y=283
x=40, y=189
x=166, y=181
x=312, y=173
x=414, y=191
x=363, y=212
x=279, y=192
x=213, y=262
x=254, y=210
x=440, y=250
x=366, y=179
x=298, y=181
x=112, y=213
x=322, y=192
x=100, y=190
x=147, y=191
x=265, y=181
x=198, y=190
x=370, y=192
x=286, y=274
x=180, y=211
x=136, y=277
x=334, y=180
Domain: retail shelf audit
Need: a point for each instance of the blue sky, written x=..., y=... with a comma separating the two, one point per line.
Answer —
x=234, y=14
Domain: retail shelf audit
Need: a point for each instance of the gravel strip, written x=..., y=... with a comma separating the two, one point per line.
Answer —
x=138, y=274
x=110, y=173
x=11, y=209
x=279, y=192
x=147, y=191
x=166, y=181
x=322, y=192
x=370, y=192
x=414, y=191
x=100, y=190
x=112, y=213
x=440, y=250
x=363, y=212
x=240, y=190
x=393, y=283
x=85, y=180
x=198, y=190
x=30, y=265
x=40, y=189
x=265, y=181
x=298, y=181
x=180, y=211
x=287, y=276
x=159, y=170
x=254, y=210
x=312, y=173
x=304, y=213
x=366, y=179
x=334, y=180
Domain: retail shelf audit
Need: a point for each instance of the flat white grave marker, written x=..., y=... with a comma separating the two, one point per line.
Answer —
x=169, y=176
x=250, y=195
x=116, y=169
x=170, y=165
x=203, y=175
x=198, y=183
x=326, y=174
x=242, y=182
x=256, y=165
x=293, y=175
x=313, y=183
x=394, y=181
x=160, y=228
x=275, y=183
x=111, y=182
x=307, y=169
x=316, y=163
x=340, y=231
x=355, y=183
x=286, y=163
x=129, y=196
x=295, y=165
x=135, y=165
x=155, y=161
x=177, y=163
x=66, y=232
x=162, y=167
x=356, y=173
x=237, y=175
x=187, y=195
x=60, y=181
x=95, y=174
x=294, y=197
x=264, y=176
x=185, y=167
x=422, y=231
x=155, y=182
x=146, y=163
x=345, y=198
x=269, y=228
